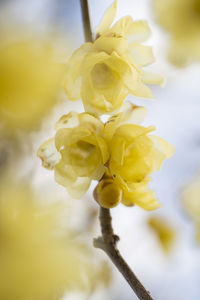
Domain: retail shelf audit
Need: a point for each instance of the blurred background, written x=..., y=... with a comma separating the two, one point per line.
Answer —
x=172, y=274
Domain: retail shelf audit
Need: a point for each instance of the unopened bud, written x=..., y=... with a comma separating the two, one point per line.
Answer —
x=107, y=193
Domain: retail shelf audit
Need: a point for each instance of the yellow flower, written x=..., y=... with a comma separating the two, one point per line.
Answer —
x=134, y=155
x=29, y=82
x=78, y=153
x=164, y=232
x=37, y=259
x=103, y=73
x=181, y=18
x=191, y=202
x=85, y=149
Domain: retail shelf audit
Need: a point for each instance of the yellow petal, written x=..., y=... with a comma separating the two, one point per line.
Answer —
x=151, y=78
x=127, y=73
x=103, y=148
x=108, y=18
x=130, y=131
x=136, y=32
x=163, y=146
x=72, y=81
x=143, y=197
x=141, y=55
x=111, y=42
x=162, y=150
x=130, y=114
x=142, y=91
x=65, y=176
x=94, y=124
x=49, y=154
x=79, y=187
x=70, y=120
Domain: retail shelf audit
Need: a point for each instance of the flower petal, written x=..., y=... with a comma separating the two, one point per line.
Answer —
x=72, y=81
x=70, y=120
x=49, y=154
x=143, y=197
x=141, y=55
x=164, y=150
x=142, y=91
x=127, y=73
x=136, y=32
x=130, y=114
x=79, y=187
x=65, y=176
x=108, y=18
x=151, y=78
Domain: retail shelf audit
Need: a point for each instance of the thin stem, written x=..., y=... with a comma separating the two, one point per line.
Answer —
x=86, y=20
x=108, y=243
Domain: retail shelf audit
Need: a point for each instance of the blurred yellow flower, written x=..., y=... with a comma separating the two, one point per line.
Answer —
x=103, y=73
x=181, y=18
x=191, y=202
x=78, y=153
x=29, y=82
x=134, y=155
x=38, y=260
x=164, y=232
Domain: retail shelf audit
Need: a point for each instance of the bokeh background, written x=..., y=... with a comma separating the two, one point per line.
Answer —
x=175, y=113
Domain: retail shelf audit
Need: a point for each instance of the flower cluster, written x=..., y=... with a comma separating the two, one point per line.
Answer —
x=104, y=72
x=181, y=18
x=120, y=154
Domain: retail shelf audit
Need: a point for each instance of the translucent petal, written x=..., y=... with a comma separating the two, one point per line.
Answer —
x=70, y=120
x=143, y=197
x=108, y=18
x=64, y=174
x=130, y=131
x=136, y=32
x=67, y=136
x=91, y=122
x=111, y=42
x=127, y=73
x=93, y=59
x=130, y=114
x=164, y=150
x=142, y=91
x=162, y=145
x=151, y=78
x=141, y=55
x=103, y=148
x=79, y=187
x=49, y=154
x=72, y=81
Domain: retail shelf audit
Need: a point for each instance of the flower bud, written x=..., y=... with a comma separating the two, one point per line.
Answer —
x=107, y=193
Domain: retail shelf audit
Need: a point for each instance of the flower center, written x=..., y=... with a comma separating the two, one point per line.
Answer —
x=102, y=76
x=82, y=150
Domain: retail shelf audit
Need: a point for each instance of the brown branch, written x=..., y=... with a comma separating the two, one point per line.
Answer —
x=108, y=243
x=86, y=20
